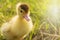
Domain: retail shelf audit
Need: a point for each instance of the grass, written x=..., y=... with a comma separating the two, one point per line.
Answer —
x=44, y=27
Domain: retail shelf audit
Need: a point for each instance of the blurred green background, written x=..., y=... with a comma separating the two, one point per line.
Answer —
x=45, y=24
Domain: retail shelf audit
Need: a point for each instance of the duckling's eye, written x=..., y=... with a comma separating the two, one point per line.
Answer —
x=21, y=11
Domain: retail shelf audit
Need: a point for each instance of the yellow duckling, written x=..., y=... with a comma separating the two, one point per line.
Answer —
x=20, y=25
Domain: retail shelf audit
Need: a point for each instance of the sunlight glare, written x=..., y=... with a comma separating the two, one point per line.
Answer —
x=53, y=8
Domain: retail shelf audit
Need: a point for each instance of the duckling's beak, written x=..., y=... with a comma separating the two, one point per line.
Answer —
x=27, y=17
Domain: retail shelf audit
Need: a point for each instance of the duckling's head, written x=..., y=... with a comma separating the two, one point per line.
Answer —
x=23, y=10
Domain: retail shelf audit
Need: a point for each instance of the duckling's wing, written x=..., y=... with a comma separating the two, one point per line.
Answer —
x=5, y=29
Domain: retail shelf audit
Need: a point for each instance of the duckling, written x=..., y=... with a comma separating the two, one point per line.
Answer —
x=20, y=25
